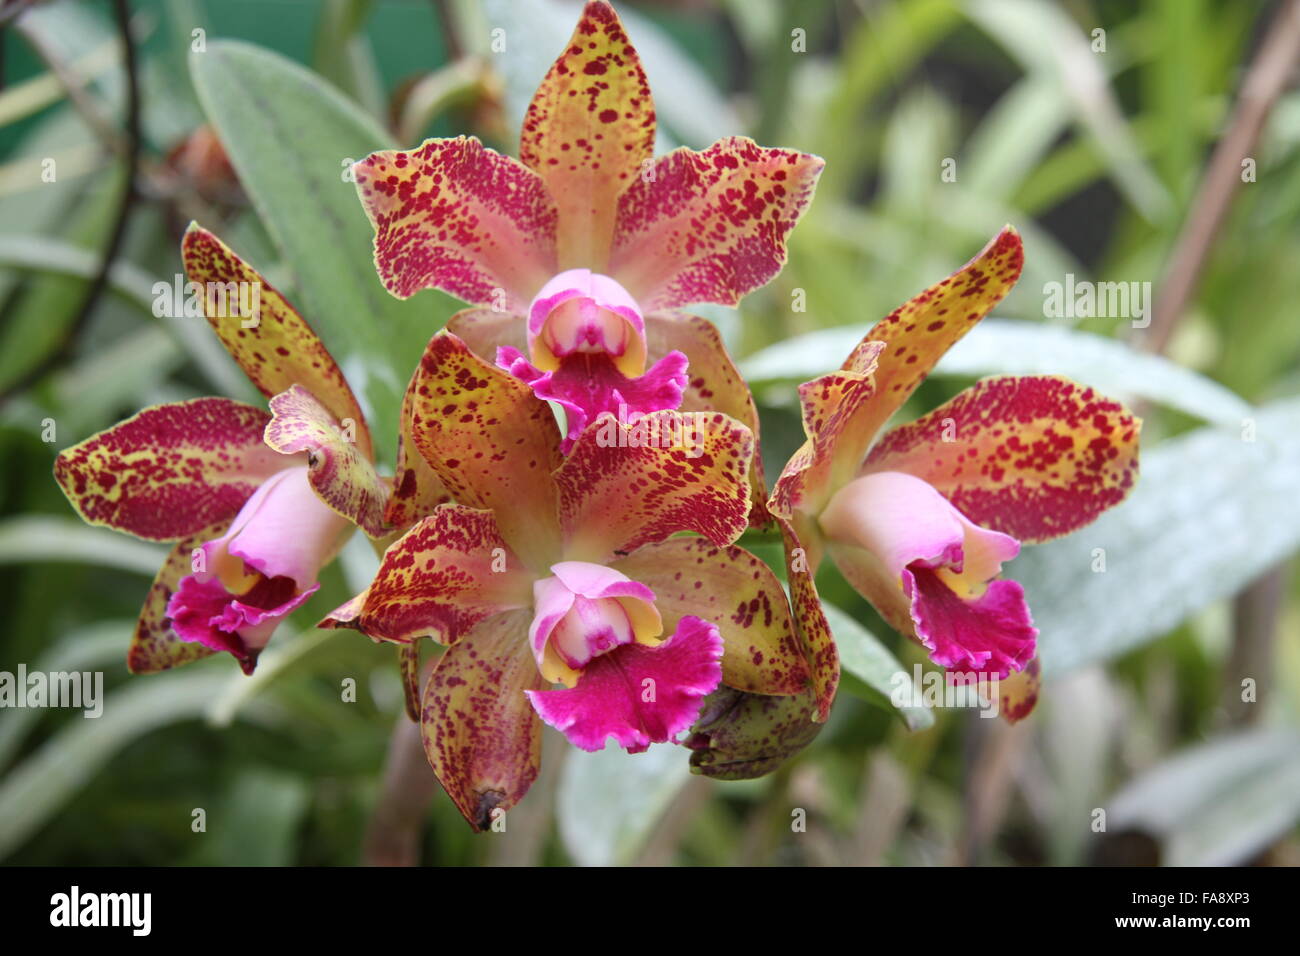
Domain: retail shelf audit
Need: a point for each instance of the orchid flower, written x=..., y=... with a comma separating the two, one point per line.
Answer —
x=577, y=256
x=921, y=520
x=571, y=571
x=257, y=503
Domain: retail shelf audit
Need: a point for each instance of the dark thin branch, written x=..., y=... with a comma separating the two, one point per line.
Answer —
x=1255, y=615
x=114, y=244
x=1265, y=80
x=397, y=823
x=455, y=49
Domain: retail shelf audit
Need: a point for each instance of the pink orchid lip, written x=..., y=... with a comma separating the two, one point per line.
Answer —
x=580, y=311
x=638, y=695
x=260, y=570
x=944, y=566
x=586, y=610
x=585, y=389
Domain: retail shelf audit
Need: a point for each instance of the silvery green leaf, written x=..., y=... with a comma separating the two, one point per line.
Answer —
x=1007, y=347
x=866, y=658
x=1216, y=804
x=610, y=800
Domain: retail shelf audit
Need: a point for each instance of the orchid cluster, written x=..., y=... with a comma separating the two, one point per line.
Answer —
x=577, y=458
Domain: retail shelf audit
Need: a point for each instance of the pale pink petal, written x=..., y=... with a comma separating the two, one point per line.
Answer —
x=551, y=601
x=591, y=628
x=902, y=520
x=636, y=694
x=584, y=610
x=285, y=530
x=582, y=311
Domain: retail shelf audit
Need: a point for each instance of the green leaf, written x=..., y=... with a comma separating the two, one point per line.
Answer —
x=341, y=51
x=1002, y=346
x=273, y=663
x=33, y=538
x=1051, y=46
x=292, y=138
x=1012, y=139
x=435, y=93
x=46, y=255
x=44, y=310
x=257, y=821
x=31, y=96
x=132, y=284
x=882, y=49
x=1212, y=510
x=871, y=662
x=38, y=787
x=609, y=801
x=1217, y=804
x=90, y=649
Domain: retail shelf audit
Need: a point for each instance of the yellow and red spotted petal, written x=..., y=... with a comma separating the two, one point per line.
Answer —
x=171, y=470
x=340, y=473
x=919, y=332
x=589, y=128
x=1035, y=457
x=450, y=571
x=486, y=331
x=810, y=623
x=155, y=646
x=734, y=590
x=714, y=384
x=417, y=489
x=1018, y=692
x=457, y=216
x=638, y=695
x=277, y=350
x=836, y=410
x=626, y=485
x=481, y=734
x=491, y=442
x=588, y=383
x=709, y=226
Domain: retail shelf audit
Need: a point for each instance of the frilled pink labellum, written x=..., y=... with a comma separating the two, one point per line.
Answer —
x=597, y=632
x=893, y=529
x=587, y=385
x=259, y=571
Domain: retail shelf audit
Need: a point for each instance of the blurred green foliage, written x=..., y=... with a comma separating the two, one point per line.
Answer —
x=1095, y=155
